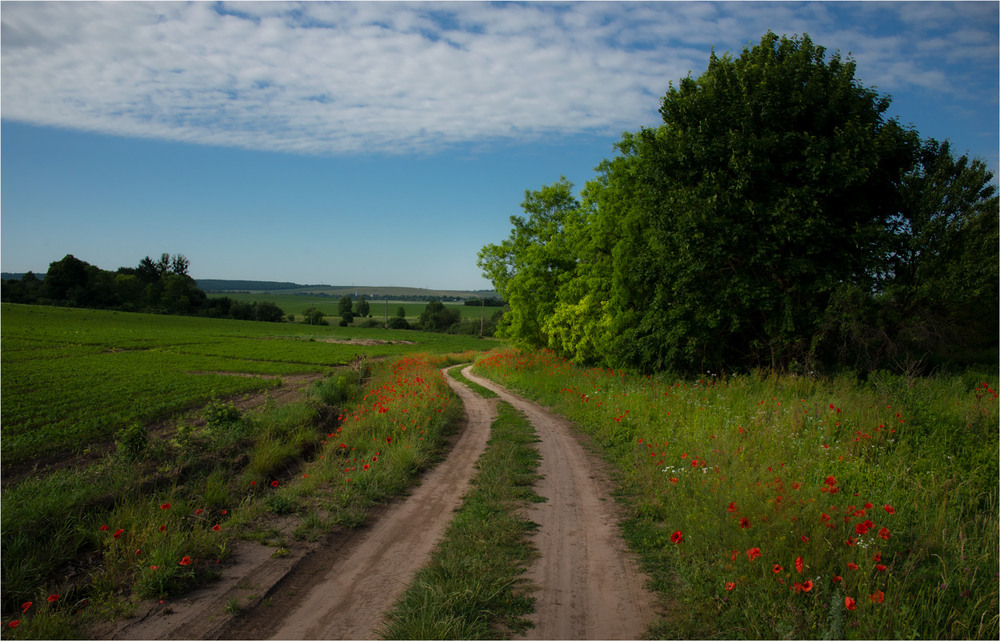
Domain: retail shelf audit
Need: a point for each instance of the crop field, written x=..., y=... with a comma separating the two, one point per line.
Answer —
x=72, y=377
x=297, y=304
x=770, y=506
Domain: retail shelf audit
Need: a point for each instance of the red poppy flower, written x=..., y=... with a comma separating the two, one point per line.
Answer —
x=884, y=533
x=877, y=557
x=673, y=480
x=830, y=480
x=676, y=537
x=388, y=439
x=104, y=528
x=185, y=561
x=852, y=565
x=805, y=539
x=877, y=597
x=861, y=528
x=776, y=569
x=808, y=585
x=199, y=511
x=118, y=534
x=163, y=528
x=365, y=467
x=14, y=623
x=26, y=606
x=796, y=485
x=274, y=483
x=753, y=553
x=880, y=567
x=890, y=509
x=138, y=552
x=848, y=603
x=165, y=506
x=732, y=507
x=837, y=579
x=154, y=567
x=735, y=554
x=216, y=527
x=744, y=522
x=799, y=565
x=729, y=586
x=53, y=598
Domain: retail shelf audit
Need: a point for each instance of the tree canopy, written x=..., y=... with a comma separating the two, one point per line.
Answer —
x=774, y=205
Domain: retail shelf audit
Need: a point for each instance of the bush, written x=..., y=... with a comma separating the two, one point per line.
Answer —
x=398, y=323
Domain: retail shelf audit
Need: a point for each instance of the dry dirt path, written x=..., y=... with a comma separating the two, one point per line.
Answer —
x=589, y=585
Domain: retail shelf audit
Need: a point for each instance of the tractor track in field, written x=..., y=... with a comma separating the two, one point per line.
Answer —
x=585, y=583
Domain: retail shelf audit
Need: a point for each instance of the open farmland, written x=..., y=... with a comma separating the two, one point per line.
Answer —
x=72, y=377
x=298, y=303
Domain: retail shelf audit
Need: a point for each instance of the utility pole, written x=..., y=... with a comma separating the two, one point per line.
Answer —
x=482, y=316
x=387, y=311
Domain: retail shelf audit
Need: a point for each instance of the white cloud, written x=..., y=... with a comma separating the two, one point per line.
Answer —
x=323, y=78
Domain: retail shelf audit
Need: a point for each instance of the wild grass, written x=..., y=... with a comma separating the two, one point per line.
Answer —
x=158, y=524
x=473, y=587
x=781, y=506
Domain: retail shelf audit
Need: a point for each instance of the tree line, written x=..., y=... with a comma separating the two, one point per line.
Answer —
x=159, y=286
x=776, y=219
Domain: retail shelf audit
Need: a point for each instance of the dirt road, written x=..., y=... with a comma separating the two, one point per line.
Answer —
x=588, y=586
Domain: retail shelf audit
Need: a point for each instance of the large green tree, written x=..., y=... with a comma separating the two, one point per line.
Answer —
x=775, y=216
x=528, y=267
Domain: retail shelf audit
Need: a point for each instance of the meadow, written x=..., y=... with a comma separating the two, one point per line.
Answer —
x=768, y=506
x=74, y=377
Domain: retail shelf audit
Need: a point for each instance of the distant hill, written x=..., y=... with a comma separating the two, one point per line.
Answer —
x=370, y=292
x=219, y=285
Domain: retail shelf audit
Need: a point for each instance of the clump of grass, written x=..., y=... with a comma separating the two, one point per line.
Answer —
x=473, y=586
x=768, y=505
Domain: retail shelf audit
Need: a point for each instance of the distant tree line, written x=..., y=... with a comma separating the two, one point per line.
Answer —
x=159, y=286
x=776, y=219
x=489, y=301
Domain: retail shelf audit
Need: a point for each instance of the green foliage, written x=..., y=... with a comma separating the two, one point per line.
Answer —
x=133, y=442
x=218, y=414
x=161, y=287
x=436, y=317
x=344, y=306
x=775, y=219
x=398, y=322
x=314, y=316
x=528, y=267
x=362, y=308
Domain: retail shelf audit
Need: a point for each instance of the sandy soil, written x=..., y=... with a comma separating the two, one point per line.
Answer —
x=589, y=587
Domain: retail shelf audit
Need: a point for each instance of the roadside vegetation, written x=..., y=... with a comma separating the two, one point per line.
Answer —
x=152, y=513
x=768, y=505
x=473, y=586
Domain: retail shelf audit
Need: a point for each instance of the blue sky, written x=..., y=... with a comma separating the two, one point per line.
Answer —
x=376, y=143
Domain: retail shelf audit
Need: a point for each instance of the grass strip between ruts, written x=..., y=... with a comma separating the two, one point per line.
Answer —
x=473, y=587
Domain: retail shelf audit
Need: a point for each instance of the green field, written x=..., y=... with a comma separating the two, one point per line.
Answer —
x=72, y=377
x=299, y=303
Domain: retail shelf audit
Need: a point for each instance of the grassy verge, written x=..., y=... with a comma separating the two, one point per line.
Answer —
x=473, y=586
x=768, y=506
x=157, y=517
